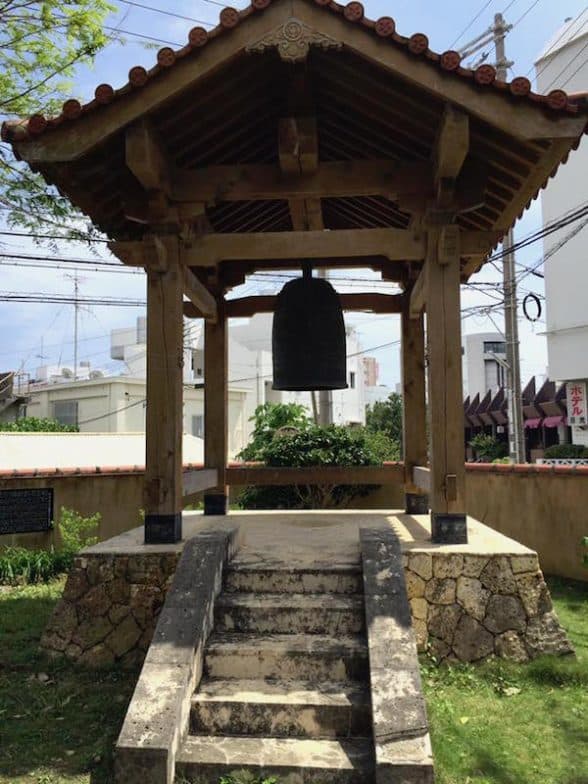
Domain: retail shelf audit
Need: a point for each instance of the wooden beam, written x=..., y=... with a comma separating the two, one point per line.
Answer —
x=447, y=494
x=369, y=302
x=164, y=416
x=260, y=182
x=216, y=404
x=414, y=401
x=199, y=296
x=196, y=480
x=418, y=294
x=350, y=475
x=286, y=249
x=341, y=245
x=146, y=157
x=394, y=244
x=452, y=145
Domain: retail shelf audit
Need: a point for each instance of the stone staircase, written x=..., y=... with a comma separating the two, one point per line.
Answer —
x=285, y=690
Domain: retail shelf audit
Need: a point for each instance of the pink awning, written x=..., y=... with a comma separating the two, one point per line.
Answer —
x=554, y=421
x=533, y=424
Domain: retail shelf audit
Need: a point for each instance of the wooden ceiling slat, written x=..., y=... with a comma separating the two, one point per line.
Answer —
x=354, y=219
x=392, y=91
x=397, y=145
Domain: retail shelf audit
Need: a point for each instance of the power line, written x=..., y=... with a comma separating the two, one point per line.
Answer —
x=528, y=11
x=565, y=68
x=172, y=13
x=472, y=22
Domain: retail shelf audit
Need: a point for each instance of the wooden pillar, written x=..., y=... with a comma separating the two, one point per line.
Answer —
x=216, y=401
x=414, y=408
x=447, y=493
x=164, y=417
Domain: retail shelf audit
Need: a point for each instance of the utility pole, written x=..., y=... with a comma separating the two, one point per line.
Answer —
x=496, y=35
x=509, y=285
x=76, y=281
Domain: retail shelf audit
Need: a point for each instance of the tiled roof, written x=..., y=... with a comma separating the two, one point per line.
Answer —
x=485, y=77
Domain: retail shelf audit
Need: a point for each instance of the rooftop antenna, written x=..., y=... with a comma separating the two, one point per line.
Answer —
x=76, y=280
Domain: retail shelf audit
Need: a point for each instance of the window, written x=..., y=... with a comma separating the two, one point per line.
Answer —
x=494, y=347
x=66, y=412
x=352, y=380
x=198, y=425
x=494, y=374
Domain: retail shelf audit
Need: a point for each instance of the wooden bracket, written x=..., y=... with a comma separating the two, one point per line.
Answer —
x=146, y=157
x=200, y=296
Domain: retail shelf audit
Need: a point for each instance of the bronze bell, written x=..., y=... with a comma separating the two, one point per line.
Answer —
x=308, y=336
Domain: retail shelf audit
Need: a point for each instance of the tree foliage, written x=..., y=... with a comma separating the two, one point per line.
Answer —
x=41, y=43
x=270, y=419
x=488, y=448
x=386, y=417
x=36, y=425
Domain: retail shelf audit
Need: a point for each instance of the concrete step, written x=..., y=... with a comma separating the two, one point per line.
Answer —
x=291, y=613
x=299, y=657
x=205, y=760
x=279, y=709
x=245, y=577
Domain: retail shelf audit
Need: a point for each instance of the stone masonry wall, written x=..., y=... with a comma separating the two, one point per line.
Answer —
x=109, y=608
x=464, y=607
x=468, y=607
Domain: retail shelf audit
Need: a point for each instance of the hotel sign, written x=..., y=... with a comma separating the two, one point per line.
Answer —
x=576, y=399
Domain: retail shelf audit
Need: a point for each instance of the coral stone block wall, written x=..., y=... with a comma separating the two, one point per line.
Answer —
x=109, y=608
x=468, y=607
x=464, y=607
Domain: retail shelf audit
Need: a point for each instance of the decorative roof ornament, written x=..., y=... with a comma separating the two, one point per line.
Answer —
x=293, y=40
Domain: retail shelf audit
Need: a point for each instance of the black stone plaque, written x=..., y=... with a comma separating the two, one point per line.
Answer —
x=26, y=510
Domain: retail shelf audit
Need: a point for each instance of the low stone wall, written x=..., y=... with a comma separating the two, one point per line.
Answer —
x=465, y=607
x=110, y=607
x=468, y=607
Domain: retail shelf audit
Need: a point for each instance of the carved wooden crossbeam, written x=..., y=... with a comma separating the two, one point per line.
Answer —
x=209, y=250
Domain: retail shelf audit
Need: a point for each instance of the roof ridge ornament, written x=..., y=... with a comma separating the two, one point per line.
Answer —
x=293, y=40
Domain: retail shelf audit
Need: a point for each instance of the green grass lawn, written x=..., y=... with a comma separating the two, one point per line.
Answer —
x=491, y=724
x=58, y=722
x=502, y=723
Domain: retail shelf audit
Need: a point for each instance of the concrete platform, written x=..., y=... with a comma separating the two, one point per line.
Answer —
x=323, y=537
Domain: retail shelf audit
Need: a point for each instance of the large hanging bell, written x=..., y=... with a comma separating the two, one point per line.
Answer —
x=308, y=337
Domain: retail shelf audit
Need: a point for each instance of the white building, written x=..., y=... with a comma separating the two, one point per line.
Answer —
x=482, y=370
x=116, y=404
x=348, y=404
x=564, y=64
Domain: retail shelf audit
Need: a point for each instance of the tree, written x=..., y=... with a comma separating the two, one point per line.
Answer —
x=41, y=43
x=488, y=448
x=386, y=417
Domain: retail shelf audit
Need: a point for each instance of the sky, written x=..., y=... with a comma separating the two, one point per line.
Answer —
x=36, y=334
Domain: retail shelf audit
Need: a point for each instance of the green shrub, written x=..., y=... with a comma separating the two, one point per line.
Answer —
x=315, y=446
x=566, y=452
x=36, y=425
x=21, y=565
x=488, y=448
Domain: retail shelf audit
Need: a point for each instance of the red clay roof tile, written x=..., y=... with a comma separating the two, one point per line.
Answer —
x=418, y=44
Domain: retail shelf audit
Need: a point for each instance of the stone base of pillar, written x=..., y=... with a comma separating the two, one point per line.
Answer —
x=215, y=504
x=163, y=529
x=415, y=504
x=449, y=528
